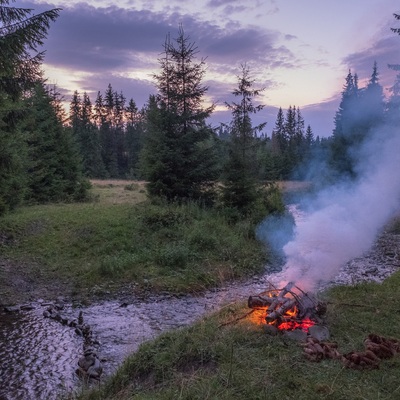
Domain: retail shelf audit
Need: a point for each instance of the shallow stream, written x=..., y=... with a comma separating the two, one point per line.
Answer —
x=39, y=355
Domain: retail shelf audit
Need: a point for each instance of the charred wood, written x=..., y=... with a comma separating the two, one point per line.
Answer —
x=259, y=301
x=274, y=314
x=287, y=305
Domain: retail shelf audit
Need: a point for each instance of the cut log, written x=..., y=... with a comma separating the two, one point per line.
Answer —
x=279, y=312
x=259, y=301
x=286, y=289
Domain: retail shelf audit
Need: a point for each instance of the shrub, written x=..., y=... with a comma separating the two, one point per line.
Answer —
x=173, y=256
x=202, y=240
x=163, y=217
x=116, y=264
x=131, y=187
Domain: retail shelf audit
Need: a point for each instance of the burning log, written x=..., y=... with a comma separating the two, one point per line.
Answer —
x=291, y=309
x=285, y=306
x=286, y=309
x=259, y=301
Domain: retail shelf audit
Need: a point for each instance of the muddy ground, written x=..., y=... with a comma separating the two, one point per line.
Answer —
x=26, y=281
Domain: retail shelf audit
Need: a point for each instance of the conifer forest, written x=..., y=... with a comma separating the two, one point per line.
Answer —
x=48, y=152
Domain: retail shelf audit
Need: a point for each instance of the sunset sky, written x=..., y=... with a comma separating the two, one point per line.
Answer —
x=300, y=51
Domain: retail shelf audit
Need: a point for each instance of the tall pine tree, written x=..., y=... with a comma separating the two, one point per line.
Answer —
x=135, y=128
x=360, y=111
x=240, y=173
x=21, y=33
x=178, y=155
x=345, y=130
x=86, y=135
x=54, y=169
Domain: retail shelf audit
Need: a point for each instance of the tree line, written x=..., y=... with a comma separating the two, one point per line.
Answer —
x=111, y=132
x=48, y=156
x=38, y=158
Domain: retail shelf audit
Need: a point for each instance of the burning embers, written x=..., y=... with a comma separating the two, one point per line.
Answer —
x=287, y=309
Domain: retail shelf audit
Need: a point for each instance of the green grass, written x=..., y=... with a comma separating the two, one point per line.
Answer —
x=119, y=240
x=240, y=361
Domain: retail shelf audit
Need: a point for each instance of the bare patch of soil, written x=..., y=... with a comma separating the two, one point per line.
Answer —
x=23, y=282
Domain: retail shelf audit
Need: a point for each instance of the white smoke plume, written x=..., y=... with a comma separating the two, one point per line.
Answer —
x=344, y=220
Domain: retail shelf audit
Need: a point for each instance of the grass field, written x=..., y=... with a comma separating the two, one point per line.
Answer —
x=118, y=191
x=121, y=239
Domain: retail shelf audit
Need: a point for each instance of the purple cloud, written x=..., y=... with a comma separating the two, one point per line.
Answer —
x=384, y=51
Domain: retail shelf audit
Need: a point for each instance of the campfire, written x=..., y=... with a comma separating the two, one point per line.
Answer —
x=292, y=310
x=286, y=309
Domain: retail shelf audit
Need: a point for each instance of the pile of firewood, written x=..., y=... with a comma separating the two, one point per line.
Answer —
x=279, y=302
x=376, y=348
x=315, y=350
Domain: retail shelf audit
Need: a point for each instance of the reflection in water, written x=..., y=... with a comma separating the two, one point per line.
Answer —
x=30, y=347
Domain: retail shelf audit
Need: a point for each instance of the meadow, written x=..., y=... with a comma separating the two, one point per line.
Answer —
x=121, y=239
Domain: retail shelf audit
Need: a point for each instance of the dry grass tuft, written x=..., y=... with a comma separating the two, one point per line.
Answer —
x=119, y=191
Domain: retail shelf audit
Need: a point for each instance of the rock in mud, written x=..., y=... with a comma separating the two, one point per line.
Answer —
x=296, y=334
x=319, y=332
x=11, y=309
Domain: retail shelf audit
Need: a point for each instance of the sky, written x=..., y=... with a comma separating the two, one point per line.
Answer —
x=299, y=51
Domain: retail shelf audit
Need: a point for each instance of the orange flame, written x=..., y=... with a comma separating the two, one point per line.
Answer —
x=304, y=325
x=258, y=315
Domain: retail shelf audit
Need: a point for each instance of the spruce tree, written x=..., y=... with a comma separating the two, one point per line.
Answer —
x=86, y=135
x=345, y=130
x=279, y=134
x=118, y=129
x=108, y=137
x=54, y=169
x=309, y=137
x=279, y=145
x=360, y=111
x=299, y=142
x=240, y=177
x=372, y=106
x=344, y=118
x=290, y=157
x=21, y=33
x=75, y=107
x=178, y=156
x=135, y=127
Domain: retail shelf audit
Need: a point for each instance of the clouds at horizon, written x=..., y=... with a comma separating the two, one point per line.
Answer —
x=95, y=46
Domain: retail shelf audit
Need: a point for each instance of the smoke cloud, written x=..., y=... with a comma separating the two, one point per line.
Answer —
x=343, y=221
